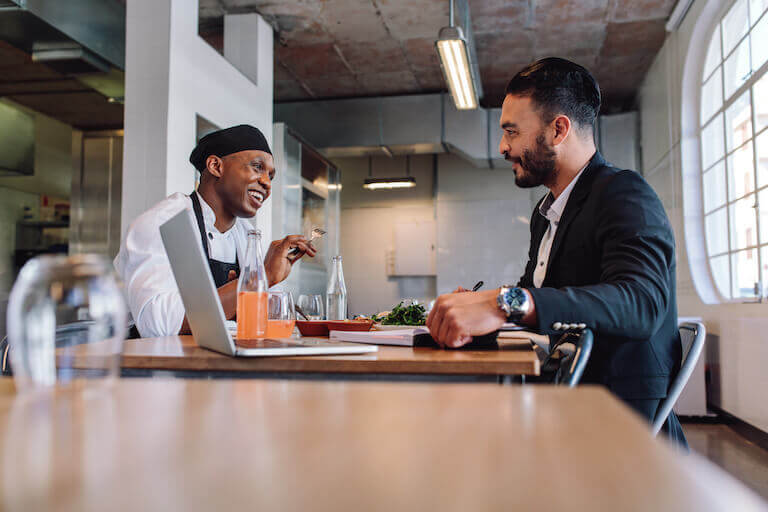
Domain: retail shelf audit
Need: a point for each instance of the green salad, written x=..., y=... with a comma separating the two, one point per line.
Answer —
x=415, y=314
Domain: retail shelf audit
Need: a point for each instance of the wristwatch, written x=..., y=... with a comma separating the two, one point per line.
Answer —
x=513, y=301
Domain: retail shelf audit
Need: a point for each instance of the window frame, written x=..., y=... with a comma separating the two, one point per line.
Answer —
x=753, y=77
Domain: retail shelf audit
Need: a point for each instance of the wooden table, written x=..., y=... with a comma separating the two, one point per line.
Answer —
x=182, y=354
x=336, y=446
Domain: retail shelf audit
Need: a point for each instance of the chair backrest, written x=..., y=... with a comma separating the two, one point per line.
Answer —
x=692, y=336
x=572, y=367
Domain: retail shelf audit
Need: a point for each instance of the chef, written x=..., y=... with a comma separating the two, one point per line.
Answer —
x=237, y=170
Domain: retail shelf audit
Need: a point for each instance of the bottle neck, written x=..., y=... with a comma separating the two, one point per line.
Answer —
x=337, y=276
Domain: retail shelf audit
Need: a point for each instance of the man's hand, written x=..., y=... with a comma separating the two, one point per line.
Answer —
x=456, y=317
x=278, y=262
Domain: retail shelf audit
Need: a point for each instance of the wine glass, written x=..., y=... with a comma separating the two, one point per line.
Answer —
x=66, y=319
x=312, y=306
x=281, y=315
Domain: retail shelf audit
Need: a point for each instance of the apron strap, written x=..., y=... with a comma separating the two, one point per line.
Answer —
x=200, y=223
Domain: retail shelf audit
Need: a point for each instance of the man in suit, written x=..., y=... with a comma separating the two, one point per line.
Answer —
x=602, y=252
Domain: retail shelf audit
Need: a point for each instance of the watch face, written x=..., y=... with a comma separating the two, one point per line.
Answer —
x=515, y=297
x=516, y=300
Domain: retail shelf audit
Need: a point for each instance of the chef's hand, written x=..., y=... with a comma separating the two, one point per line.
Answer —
x=456, y=317
x=460, y=289
x=278, y=262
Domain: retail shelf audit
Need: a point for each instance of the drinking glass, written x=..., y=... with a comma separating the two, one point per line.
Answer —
x=66, y=319
x=281, y=316
x=312, y=306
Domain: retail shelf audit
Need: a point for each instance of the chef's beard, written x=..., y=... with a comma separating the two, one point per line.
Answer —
x=537, y=166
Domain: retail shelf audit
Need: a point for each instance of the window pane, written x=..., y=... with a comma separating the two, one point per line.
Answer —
x=763, y=202
x=759, y=38
x=738, y=122
x=735, y=25
x=762, y=159
x=712, y=144
x=721, y=274
x=743, y=223
x=713, y=53
x=737, y=68
x=711, y=95
x=741, y=172
x=714, y=187
x=760, y=91
x=756, y=9
x=744, y=270
x=716, y=232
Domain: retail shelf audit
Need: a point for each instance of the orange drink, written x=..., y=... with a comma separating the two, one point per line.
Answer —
x=280, y=328
x=251, y=315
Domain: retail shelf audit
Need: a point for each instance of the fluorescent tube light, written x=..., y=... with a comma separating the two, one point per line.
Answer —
x=389, y=183
x=454, y=60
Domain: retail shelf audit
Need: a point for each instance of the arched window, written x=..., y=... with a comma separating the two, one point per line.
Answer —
x=733, y=117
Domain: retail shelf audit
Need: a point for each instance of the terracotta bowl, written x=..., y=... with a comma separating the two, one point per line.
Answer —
x=312, y=327
x=351, y=325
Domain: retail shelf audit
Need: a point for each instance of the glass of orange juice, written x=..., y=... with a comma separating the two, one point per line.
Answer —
x=281, y=315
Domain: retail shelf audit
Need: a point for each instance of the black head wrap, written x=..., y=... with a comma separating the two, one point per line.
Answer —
x=224, y=142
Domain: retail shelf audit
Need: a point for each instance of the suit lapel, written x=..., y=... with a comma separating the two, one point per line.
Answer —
x=575, y=201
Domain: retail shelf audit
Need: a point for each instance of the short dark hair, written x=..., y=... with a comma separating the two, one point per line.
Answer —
x=559, y=86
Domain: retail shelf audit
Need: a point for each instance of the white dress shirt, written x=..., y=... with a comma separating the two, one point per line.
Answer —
x=552, y=209
x=142, y=264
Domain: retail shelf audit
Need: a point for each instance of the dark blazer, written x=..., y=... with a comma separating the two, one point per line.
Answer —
x=612, y=267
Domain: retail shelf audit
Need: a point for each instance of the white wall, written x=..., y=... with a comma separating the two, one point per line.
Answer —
x=482, y=223
x=738, y=353
x=367, y=220
x=171, y=76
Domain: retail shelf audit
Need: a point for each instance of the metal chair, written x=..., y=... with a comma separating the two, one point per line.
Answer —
x=692, y=336
x=568, y=366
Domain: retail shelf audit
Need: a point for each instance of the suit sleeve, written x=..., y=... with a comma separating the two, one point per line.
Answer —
x=637, y=251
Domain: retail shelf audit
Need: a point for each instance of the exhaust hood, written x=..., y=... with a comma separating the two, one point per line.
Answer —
x=17, y=145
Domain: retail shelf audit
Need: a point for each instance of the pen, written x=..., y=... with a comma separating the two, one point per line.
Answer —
x=477, y=286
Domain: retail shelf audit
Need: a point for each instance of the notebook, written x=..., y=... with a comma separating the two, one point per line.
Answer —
x=402, y=337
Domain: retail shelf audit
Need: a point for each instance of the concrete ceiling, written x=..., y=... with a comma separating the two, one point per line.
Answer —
x=349, y=48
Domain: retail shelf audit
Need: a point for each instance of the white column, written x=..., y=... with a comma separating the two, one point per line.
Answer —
x=171, y=76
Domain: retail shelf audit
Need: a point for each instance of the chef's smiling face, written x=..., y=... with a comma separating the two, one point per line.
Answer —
x=245, y=181
x=524, y=142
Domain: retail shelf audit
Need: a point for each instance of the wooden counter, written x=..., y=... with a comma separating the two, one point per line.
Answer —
x=344, y=446
x=181, y=353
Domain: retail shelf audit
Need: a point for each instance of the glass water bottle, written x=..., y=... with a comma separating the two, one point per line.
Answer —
x=252, y=290
x=336, y=295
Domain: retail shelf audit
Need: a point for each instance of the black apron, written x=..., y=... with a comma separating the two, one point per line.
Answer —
x=219, y=269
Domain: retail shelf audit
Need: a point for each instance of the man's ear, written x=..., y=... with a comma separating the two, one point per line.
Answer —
x=562, y=128
x=214, y=166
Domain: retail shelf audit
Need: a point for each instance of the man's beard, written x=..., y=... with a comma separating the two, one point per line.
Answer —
x=537, y=166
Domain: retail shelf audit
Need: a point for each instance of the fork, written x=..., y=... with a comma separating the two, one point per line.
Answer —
x=316, y=233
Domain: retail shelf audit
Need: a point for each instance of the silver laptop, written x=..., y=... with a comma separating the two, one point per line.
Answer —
x=181, y=238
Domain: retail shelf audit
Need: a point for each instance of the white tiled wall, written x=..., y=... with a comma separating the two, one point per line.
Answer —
x=483, y=225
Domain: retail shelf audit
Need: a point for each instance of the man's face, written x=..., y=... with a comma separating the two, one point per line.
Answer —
x=524, y=142
x=246, y=181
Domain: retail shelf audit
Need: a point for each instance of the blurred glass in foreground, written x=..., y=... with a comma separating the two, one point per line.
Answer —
x=66, y=319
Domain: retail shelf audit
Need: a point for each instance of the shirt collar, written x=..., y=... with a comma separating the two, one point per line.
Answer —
x=552, y=208
x=209, y=217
